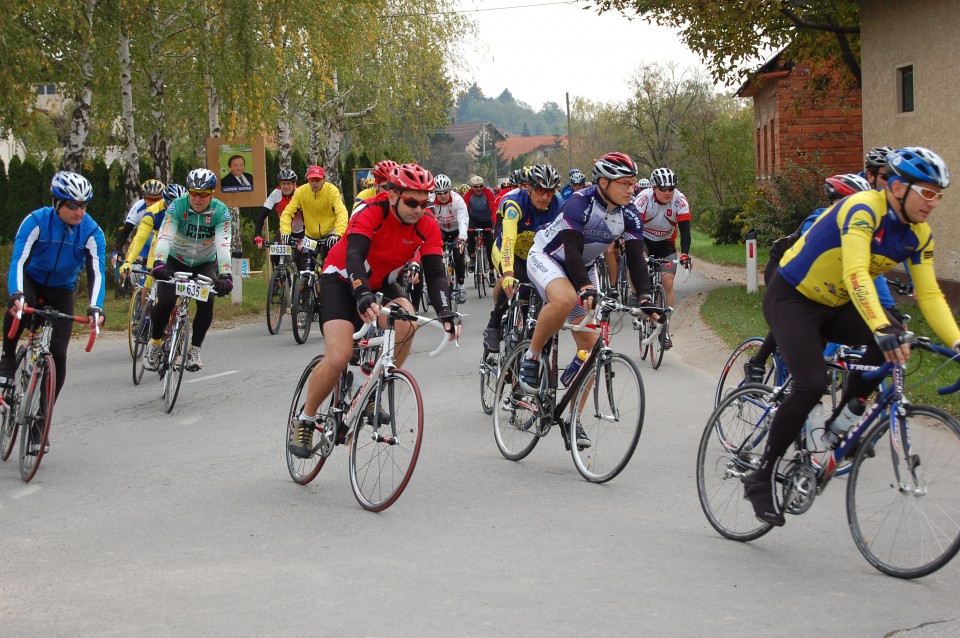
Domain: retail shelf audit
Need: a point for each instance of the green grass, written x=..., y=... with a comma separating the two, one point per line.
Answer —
x=736, y=315
x=702, y=247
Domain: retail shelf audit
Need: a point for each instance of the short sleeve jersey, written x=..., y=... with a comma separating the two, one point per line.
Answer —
x=660, y=220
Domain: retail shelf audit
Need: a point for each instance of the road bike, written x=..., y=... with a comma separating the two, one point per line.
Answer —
x=376, y=409
x=481, y=266
x=139, y=332
x=903, y=489
x=517, y=325
x=450, y=268
x=654, y=348
x=306, y=289
x=138, y=276
x=280, y=288
x=415, y=292
x=605, y=398
x=27, y=407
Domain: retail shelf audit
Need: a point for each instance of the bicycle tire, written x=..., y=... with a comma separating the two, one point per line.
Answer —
x=301, y=313
x=177, y=362
x=38, y=404
x=516, y=415
x=904, y=527
x=141, y=340
x=134, y=315
x=489, y=372
x=302, y=471
x=275, y=299
x=381, y=470
x=10, y=425
x=614, y=435
x=730, y=449
x=732, y=377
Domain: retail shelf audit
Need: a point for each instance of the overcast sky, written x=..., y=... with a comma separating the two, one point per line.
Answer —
x=579, y=52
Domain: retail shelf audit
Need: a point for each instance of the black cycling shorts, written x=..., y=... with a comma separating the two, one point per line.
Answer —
x=337, y=300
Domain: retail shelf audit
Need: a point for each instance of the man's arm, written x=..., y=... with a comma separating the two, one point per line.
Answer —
x=340, y=227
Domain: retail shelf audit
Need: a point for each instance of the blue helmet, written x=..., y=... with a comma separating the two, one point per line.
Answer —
x=172, y=192
x=201, y=179
x=71, y=186
x=917, y=164
x=576, y=177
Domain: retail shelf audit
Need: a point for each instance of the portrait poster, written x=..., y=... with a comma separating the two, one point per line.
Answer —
x=359, y=175
x=240, y=167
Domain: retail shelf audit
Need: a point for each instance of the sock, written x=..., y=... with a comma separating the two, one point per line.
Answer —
x=156, y=342
x=303, y=417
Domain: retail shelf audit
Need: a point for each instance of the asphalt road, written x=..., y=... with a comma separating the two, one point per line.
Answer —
x=152, y=524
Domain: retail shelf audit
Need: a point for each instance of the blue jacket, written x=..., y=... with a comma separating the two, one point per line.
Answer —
x=52, y=253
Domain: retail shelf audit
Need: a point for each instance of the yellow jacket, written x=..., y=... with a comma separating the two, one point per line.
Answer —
x=322, y=211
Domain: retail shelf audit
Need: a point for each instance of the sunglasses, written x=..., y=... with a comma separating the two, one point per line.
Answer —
x=626, y=182
x=666, y=189
x=201, y=194
x=412, y=202
x=927, y=193
x=442, y=192
x=76, y=205
x=478, y=187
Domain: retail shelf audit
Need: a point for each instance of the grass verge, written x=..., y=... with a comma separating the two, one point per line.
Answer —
x=702, y=247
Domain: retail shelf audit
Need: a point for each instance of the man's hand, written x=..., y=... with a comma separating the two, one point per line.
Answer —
x=367, y=306
x=160, y=271
x=686, y=261
x=15, y=303
x=258, y=240
x=451, y=323
x=330, y=240
x=223, y=285
x=508, y=282
x=414, y=273
x=890, y=340
x=587, y=297
x=461, y=244
x=96, y=311
x=125, y=268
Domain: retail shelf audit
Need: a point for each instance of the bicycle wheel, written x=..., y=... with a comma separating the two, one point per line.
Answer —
x=612, y=418
x=134, y=315
x=730, y=449
x=302, y=310
x=483, y=268
x=303, y=471
x=276, y=293
x=905, y=515
x=141, y=339
x=732, y=376
x=9, y=424
x=516, y=415
x=381, y=464
x=37, y=412
x=177, y=361
x=656, y=346
x=489, y=371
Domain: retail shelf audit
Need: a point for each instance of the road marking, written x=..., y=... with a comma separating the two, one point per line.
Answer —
x=212, y=376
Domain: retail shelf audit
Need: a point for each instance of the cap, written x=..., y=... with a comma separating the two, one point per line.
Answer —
x=315, y=171
x=476, y=180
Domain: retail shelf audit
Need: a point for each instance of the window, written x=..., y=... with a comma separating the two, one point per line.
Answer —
x=47, y=89
x=905, y=89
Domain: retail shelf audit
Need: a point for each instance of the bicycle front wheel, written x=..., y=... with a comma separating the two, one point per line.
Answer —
x=133, y=319
x=904, y=514
x=276, y=293
x=302, y=310
x=489, y=371
x=732, y=377
x=303, y=471
x=612, y=417
x=177, y=361
x=37, y=413
x=517, y=414
x=730, y=449
x=656, y=346
x=382, y=461
x=9, y=425
x=141, y=337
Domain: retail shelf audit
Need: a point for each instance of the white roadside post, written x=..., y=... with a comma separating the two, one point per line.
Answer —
x=752, y=284
x=236, y=248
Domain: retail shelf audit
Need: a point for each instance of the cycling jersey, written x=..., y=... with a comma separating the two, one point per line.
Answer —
x=53, y=252
x=452, y=216
x=277, y=201
x=322, y=211
x=660, y=220
x=392, y=243
x=146, y=232
x=855, y=240
x=136, y=212
x=134, y=215
x=520, y=220
x=195, y=238
x=366, y=193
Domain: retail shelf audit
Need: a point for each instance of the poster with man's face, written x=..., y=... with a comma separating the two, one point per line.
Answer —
x=236, y=168
x=239, y=165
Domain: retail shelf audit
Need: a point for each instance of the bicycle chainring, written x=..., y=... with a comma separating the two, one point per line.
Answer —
x=799, y=488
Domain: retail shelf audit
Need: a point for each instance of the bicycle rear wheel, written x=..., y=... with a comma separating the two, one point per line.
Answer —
x=382, y=463
x=516, y=414
x=9, y=424
x=489, y=371
x=732, y=376
x=177, y=361
x=303, y=471
x=302, y=310
x=730, y=448
x=37, y=413
x=656, y=346
x=904, y=514
x=612, y=418
x=276, y=295
x=134, y=315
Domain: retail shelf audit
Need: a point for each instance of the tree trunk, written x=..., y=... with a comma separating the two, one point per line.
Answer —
x=284, y=159
x=131, y=179
x=159, y=146
x=333, y=121
x=213, y=108
x=313, y=149
x=80, y=122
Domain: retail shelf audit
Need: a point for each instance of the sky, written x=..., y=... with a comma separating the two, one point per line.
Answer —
x=580, y=52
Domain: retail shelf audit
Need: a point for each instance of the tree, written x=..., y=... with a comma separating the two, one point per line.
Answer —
x=730, y=35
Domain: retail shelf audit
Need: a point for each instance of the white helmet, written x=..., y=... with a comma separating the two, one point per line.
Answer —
x=442, y=183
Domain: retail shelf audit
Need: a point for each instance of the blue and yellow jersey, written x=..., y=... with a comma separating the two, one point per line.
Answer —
x=519, y=221
x=856, y=240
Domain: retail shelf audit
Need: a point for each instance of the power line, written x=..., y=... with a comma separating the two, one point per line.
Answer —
x=444, y=13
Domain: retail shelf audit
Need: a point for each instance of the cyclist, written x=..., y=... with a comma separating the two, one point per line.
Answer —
x=451, y=214
x=380, y=174
x=578, y=181
x=150, y=193
x=561, y=263
x=642, y=184
x=383, y=236
x=875, y=166
x=809, y=297
x=481, y=208
x=52, y=245
x=147, y=233
x=522, y=215
x=193, y=237
x=277, y=201
x=665, y=211
x=324, y=215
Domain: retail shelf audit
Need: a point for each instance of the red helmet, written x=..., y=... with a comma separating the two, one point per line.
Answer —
x=614, y=166
x=839, y=186
x=411, y=177
x=381, y=172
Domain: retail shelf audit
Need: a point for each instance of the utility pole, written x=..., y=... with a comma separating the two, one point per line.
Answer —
x=569, y=132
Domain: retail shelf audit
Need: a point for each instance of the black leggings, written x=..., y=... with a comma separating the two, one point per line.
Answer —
x=59, y=299
x=800, y=326
x=459, y=266
x=500, y=305
x=487, y=229
x=167, y=299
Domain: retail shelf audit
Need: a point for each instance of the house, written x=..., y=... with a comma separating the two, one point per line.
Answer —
x=536, y=148
x=794, y=121
x=472, y=137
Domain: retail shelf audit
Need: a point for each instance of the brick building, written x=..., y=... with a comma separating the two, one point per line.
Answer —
x=800, y=113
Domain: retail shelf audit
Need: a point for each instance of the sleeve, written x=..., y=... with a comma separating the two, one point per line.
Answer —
x=164, y=238
x=883, y=292
x=23, y=246
x=133, y=215
x=510, y=215
x=683, y=209
x=222, y=237
x=684, y=228
x=463, y=217
x=258, y=225
x=857, y=225
x=96, y=248
x=140, y=239
x=930, y=297
x=637, y=267
x=122, y=236
x=573, y=257
x=286, y=219
x=340, y=211
x=358, y=247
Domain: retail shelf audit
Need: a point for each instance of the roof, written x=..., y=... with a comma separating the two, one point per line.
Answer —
x=777, y=66
x=463, y=133
x=517, y=145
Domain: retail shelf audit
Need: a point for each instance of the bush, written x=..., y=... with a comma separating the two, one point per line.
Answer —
x=779, y=207
x=724, y=224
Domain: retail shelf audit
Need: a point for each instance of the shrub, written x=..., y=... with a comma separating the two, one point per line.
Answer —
x=724, y=224
x=781, y=205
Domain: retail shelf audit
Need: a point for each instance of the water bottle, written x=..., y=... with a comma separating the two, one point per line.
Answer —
x=848, y=417
x=573, y=368
x=814, y=428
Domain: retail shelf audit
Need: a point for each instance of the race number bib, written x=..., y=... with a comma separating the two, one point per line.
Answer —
x=193, y=290
x=280, y=249
x=308, y=244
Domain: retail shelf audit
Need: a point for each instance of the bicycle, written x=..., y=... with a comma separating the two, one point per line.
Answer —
x=901, y=505
x=605, y=398
x=517, y=325
x=654, y=347
x=450, y=268
x=383, y=453
x=139, y=333
x=137, y=276
x=481, y=266
x=415, y=292
x=28, y=406
x=176, y=339
x=306, y=289
x=280, y=288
